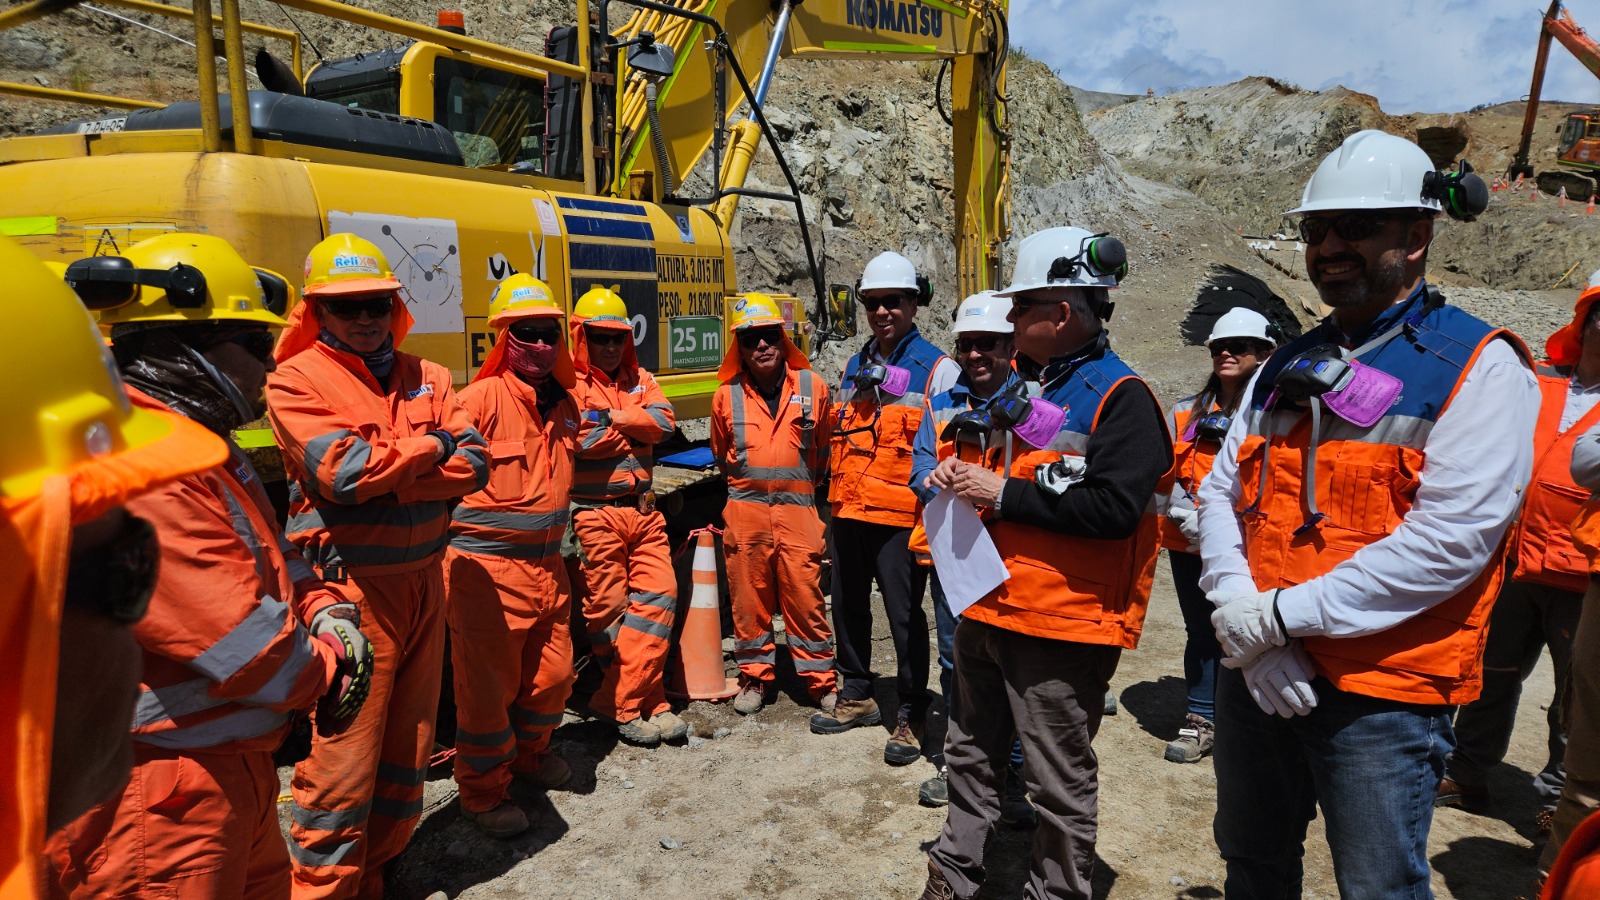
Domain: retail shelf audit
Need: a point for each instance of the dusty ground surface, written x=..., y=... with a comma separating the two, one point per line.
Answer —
x=764, y=808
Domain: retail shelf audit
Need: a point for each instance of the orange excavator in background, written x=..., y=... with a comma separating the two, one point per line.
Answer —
x=1579, y=150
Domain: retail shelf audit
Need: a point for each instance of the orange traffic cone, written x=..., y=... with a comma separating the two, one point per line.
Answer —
x=698, y=673
x=1590, y=210
x=1562, y=196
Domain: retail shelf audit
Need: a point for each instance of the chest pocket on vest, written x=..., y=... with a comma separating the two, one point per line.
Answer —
x=1368, y=487
x=888, y=485
x=508, y=469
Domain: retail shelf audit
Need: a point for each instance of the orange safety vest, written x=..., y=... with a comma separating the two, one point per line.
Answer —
x=770, y=461
x=1542, y=546
x=366, y=497
x=1063, y=587
x=1365, y=483
x=522, y=513
x=1192, y=461
x=872, y=440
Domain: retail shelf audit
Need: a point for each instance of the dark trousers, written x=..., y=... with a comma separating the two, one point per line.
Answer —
x=1202, y=655
x=861, y=552
x=1373, y=766
x=1051, y=695
x=1526, y=618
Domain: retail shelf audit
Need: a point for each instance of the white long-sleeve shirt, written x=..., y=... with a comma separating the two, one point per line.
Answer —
x=1479, y=456
x=1586, y=459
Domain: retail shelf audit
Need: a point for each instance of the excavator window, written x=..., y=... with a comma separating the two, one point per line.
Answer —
x=497, y=117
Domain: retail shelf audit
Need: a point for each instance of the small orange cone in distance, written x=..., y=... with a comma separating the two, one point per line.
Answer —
x=699, y=674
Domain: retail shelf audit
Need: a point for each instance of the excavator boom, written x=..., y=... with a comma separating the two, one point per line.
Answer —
x=1557, y=25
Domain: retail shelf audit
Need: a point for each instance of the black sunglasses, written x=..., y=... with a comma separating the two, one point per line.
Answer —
x=257, y=343
x=986, y=344
x=536, y=333
x=351, y=310
x=1236, y=346
x=1352, y=226
x=754, y=337
x=116, y=579
x=873, y=304
x=607, y=338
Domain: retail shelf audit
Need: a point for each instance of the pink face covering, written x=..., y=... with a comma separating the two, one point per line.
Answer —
x=533, y=361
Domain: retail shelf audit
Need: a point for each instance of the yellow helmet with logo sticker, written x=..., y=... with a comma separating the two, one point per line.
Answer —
x=179, y=278
x=346, y=264
x=522, y=297
x=754, y=310
x=78, y=421
x=602, y=308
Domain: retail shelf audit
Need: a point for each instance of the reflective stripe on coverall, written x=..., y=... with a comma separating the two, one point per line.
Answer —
x=368, y=501
x=225, y=663
x=774, y=540
x=629, y=583
x=510, y=601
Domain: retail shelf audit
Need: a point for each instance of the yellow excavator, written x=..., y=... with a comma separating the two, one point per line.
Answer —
x=467, y=160
x=1578, y=147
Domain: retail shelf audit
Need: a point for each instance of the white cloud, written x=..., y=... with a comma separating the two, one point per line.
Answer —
x=1414, y=56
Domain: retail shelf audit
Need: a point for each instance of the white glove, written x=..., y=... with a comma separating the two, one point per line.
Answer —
x=1280, y=680
x=1247, y=623
x=1188, y=521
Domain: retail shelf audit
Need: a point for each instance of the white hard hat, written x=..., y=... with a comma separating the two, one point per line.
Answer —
x=889, y=271
x=1594, y=280
x=1039, y=253
x=984, y=311
x=1240, y=322
x=1370, y=170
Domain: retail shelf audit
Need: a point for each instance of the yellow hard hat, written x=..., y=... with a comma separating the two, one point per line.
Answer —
x=346, y=264
x=522, y=297
x=754, y=310
x=602, y=307
x=65, y=411
x=178, y=278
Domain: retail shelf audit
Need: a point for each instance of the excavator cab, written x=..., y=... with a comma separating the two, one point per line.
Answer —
x=496, y=115
x=1579, y=126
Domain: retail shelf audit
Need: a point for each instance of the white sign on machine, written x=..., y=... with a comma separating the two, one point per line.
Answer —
x=425, y=255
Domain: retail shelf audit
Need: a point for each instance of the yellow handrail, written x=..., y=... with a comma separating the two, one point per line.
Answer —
x=44, y=93
x=177, y=12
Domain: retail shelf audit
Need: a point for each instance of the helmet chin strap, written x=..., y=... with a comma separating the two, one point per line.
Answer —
x=225, y=384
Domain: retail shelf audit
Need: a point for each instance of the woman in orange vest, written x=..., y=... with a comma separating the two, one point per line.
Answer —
x=79, y=570
x=1238, y=343
x=510, y=601
x=376, y=447
x=1580, y=795
x=1538, y=605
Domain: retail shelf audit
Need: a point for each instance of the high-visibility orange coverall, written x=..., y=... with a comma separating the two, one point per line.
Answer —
x=629, y=583
x=773, y=542
x=227, y=659
x=35, y=539
x=510, y=600
x=370, y=505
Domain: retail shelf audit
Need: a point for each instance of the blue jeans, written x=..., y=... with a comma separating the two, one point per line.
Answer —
x=1202, y=655
x=944, y=622
x=1372, y=765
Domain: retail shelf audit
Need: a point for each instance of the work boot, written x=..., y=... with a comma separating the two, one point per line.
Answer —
x=1016, y=810
x=751, y=697
x=1453, y=793
x=846, y=714
x=505, y=820
x=905, y=745
x=639, y=732
x=1542, y=822
x=1111, y=704
x=937, y=888
x=672, y=727
x=1194, y=740
x=935, y=791
x=552, y=772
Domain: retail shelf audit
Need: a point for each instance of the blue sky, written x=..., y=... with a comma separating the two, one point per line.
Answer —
x=1439, y=56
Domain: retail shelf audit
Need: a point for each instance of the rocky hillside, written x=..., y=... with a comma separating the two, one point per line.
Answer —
x=1179, y=177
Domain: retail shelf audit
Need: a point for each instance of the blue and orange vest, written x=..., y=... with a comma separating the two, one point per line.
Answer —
x=1366, y=480
x=871, y=445
x=1087, y=590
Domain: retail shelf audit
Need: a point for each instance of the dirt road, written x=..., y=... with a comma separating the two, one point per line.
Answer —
x=760, y=807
